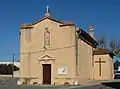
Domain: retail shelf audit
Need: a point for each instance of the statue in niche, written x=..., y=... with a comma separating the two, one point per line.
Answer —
x=46, y=38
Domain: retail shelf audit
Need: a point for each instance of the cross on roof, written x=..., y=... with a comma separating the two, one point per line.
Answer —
x=47, y=11
x=47, y=8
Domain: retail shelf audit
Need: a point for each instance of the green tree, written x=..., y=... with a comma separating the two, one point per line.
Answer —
x=7, y=69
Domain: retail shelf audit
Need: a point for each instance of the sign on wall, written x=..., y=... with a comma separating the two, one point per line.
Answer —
x=62, y=70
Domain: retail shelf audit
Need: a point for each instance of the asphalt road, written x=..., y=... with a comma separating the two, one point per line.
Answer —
x=55, y=87
x=11, y=83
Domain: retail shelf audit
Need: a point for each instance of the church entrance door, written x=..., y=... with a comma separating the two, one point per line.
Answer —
x=46, y=74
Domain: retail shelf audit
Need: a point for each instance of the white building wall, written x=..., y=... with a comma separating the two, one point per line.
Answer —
x=16, y=73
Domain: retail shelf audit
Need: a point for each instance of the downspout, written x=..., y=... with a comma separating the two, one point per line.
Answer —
x=76, y=56
x=92, y=64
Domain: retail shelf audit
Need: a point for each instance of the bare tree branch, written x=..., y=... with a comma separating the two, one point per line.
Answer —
x=102, y=42
x=113, y=45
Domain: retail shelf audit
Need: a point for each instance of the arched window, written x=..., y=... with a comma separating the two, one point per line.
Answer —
x=46, y=38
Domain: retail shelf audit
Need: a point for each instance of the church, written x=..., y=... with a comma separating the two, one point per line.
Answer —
x=57, y=52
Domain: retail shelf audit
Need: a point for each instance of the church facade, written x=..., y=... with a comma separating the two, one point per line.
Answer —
x=57, y=52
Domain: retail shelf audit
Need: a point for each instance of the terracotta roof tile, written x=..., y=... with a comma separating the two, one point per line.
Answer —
x=98, y=51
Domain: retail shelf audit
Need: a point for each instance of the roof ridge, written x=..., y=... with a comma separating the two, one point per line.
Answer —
x=46, y=17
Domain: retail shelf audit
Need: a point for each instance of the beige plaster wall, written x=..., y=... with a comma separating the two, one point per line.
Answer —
x=84, y=62
x=60, y=36
x=106, y=69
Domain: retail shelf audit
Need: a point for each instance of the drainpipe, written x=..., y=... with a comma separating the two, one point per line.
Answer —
x=92, y=64
x=76, y=55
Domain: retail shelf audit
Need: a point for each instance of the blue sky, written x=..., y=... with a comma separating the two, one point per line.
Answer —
x=103, y=14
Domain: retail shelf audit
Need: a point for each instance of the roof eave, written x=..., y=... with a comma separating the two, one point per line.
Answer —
x=93, y=45
x=26, y=27
x=99, y=53
x=93, y=42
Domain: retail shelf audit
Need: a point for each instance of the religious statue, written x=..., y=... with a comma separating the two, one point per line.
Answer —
x=46, y=38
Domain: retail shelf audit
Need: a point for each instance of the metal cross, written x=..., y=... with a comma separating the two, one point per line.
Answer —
x=47, y=7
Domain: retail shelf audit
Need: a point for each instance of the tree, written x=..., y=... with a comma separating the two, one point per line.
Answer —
x=113, y=45
x=116, y=64
x=102, y=42
x=7, y=69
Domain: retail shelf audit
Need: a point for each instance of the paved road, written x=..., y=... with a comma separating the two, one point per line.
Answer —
x=10, y=83
x=49, y=87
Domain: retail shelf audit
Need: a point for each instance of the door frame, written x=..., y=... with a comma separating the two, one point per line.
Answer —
x=46, y=59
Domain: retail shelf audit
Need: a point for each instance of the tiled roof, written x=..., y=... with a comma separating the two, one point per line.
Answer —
x=87, y=38
x=98, y=51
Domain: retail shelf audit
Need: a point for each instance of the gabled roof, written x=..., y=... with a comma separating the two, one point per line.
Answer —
x=87, y=38
x=99, y=51
x=63, y=22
